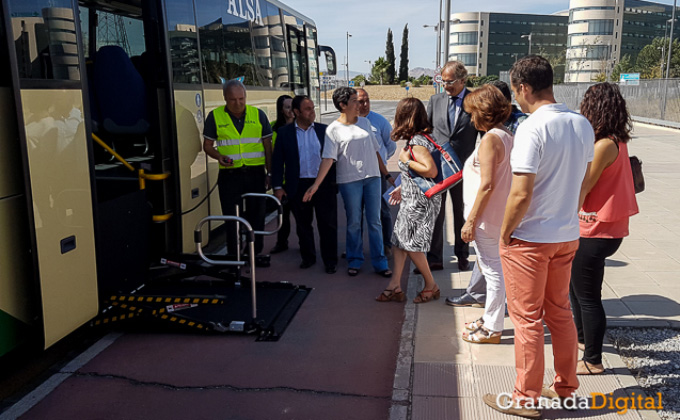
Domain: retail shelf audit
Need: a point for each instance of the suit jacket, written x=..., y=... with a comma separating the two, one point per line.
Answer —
x=286, y=159
x=462, y=137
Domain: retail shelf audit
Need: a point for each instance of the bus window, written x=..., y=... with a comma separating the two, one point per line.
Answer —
x=297, y=53
x=277, y=45
x=231, y=44
x=114, y=29
x=313, y=57
x=183, y=42
x=45, y=39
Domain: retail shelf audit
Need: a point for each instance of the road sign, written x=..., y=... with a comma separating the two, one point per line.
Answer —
x=630, y=79
x=407, y=88
x=351, y=83
x=438, y=78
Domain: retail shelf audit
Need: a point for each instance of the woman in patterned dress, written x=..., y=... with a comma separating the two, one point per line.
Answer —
x=415, y=221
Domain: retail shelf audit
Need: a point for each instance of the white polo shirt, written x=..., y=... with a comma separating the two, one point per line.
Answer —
x=556, y=144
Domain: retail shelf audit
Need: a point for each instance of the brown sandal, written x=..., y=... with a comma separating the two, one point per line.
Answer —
x=427, y=295
x=585, y=368
x=391, y=295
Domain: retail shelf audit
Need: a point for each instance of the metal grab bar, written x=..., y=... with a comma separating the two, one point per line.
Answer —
x=279, y=210
x=250, y=238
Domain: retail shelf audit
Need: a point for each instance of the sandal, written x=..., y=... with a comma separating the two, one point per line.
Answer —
x=472, y=326
x=427, y=295
x=482, y=336
x=353, y=272
x=391, y=295
x=385, y=273
x=585, y=368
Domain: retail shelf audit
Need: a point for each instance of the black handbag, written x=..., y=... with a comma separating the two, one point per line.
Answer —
x=638, y=177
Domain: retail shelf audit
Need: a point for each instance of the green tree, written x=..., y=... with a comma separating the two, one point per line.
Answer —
x=359, y=79
x=379, y=71
x=389, y=56
x=623, y=66
x=648, y=61
x=403, y=57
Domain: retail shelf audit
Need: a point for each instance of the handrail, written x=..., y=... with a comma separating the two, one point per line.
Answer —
x=250, y=238
x=143, y=176
x=108, y=148
x=279, y=210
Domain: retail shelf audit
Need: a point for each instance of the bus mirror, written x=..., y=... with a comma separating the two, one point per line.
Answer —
x=331, y=64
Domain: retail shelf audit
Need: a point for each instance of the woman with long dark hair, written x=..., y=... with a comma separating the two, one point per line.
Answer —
x=284, y=116
x=413, y=228
x=608, y=198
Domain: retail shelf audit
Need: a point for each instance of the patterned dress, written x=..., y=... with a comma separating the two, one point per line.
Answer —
x=417, y=214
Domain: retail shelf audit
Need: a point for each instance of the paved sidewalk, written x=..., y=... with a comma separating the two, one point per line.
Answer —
x=449, y=376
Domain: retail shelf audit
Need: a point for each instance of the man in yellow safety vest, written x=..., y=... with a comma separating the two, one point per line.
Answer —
x=239, y=137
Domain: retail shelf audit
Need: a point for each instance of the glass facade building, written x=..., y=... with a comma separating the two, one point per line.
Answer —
x=489, y=43
x=601, y=32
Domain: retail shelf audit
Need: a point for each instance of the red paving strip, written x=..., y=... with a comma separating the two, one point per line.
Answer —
x=336, y=360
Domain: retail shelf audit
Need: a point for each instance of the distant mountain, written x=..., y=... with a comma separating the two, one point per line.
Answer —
x=419, y=71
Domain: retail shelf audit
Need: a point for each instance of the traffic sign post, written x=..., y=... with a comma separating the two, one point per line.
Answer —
x=350, y=83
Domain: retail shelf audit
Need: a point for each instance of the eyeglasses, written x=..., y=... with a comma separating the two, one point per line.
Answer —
x=449, y=82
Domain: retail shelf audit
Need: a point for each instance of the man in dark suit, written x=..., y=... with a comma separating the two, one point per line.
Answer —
x=297, y=156
x=450, y=123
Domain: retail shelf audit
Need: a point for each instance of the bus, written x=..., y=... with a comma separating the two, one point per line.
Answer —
x=82, y=80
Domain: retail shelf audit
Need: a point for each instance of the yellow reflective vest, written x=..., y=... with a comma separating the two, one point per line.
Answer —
x=246, y=148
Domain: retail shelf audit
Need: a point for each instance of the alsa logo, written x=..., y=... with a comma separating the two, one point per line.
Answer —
x=246, y=9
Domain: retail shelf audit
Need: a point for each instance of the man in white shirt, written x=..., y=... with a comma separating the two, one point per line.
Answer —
x=552, y=152
x=382, y=130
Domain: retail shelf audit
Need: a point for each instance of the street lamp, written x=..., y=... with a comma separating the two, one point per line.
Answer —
x=668, y=62
x=439, y=43
x=347, y=59
x=370, y=69
x=529, y=38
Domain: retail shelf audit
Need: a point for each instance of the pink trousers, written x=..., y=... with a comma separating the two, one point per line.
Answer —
x=537, y=286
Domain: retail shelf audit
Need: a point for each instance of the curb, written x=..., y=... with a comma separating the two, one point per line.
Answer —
x=403, y=375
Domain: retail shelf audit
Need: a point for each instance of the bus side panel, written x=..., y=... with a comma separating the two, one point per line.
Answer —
x=193, y=175
x=62, y=205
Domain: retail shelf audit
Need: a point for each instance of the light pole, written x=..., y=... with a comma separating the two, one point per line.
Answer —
x=370, y=68
x=529, y=38
x=347, y=59
x=439, y=43
x=668, y=62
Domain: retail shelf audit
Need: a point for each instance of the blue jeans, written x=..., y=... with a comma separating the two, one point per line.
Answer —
x=354, y=193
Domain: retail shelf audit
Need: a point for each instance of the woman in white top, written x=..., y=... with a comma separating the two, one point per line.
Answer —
x=486, y=183
x=351, y=143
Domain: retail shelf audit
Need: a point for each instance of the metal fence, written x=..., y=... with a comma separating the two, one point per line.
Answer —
x=644, y=100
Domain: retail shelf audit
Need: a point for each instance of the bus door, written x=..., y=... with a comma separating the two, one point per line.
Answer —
x=187, y=91
x=47, y=86
x=130, y=109
x=17, y=298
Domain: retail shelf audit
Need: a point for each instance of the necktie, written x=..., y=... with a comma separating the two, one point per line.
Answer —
x=453, y=112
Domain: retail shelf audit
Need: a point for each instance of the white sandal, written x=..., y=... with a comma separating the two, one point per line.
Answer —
x=483, y=336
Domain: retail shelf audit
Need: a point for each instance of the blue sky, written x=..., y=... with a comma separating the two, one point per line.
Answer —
x=368, y=20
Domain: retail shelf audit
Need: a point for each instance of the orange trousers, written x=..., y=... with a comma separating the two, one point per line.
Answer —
x=537, y=286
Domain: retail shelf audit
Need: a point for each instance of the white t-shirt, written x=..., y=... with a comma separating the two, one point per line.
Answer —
x=354, y=148
x=556, y=144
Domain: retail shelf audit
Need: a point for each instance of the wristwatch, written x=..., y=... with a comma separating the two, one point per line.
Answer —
x=269, y=174
x=388, y=176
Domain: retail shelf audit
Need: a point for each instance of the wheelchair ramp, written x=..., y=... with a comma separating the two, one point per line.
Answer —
x=211, y=307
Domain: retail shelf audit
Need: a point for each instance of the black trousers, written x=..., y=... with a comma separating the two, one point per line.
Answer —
x=460, y=248
x=232, y=184
x=585, y=293
x=284, y=231
x=324, y=204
